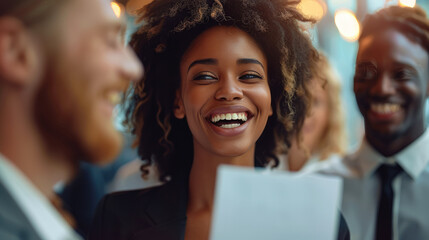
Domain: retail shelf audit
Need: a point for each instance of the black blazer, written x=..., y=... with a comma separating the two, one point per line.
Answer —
x=158, y=213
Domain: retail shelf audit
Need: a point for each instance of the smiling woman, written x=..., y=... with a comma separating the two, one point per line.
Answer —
x=224, y=84
x=165, y=42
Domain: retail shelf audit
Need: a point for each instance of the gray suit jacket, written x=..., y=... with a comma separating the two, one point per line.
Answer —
x=14, y=224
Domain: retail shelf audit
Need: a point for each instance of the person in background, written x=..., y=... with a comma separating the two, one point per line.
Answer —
x=386, y=181
x=224, y=84
x=323, y=134
x=63, y=67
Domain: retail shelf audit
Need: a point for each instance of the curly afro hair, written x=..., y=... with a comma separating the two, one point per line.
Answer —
x=169, y=27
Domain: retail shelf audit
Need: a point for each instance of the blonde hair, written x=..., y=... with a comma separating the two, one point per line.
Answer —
x=333, y=140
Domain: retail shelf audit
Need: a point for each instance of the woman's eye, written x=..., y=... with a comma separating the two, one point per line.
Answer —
x=204, y=78
x=250, y=76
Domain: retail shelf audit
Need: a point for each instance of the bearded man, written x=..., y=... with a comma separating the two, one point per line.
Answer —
x=63, y=66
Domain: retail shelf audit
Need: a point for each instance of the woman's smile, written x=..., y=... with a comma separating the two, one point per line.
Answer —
x=229, y=121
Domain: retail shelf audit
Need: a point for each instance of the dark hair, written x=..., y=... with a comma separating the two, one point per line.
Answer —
x=412, y=22
x=169, y=28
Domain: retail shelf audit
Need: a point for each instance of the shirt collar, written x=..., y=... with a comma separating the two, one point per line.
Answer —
x=36, y=207
x=413, y=159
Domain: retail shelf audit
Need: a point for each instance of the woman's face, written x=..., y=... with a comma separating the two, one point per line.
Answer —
x=224, y=92
x=316, y=123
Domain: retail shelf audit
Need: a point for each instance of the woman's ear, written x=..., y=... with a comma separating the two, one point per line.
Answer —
x=179, y=109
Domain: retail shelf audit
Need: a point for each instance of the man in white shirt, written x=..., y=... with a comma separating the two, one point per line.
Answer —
x=386, y=185
x=63, y=66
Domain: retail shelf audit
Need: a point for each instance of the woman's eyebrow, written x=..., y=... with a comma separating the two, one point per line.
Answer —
x=249, y=60
x=206, y=61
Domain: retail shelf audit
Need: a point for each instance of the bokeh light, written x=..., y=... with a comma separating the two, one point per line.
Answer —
x=407, y=3
x=116, y=9
x=315, y=9
x=347, y=25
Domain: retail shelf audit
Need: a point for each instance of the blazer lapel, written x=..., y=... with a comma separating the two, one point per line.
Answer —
x=167, y=211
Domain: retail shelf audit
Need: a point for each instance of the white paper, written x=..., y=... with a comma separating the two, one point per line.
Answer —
x=262, y=205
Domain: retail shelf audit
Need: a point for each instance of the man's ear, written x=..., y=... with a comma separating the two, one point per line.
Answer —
x=179, y=109
x=17, y=53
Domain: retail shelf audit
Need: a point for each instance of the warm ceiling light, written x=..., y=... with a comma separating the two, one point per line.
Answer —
x=116, y=9
x=315, y=9
x=347, y=25
x=407, y=3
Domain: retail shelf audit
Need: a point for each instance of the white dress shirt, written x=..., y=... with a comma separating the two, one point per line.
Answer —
x=45, y=219
x=362, y=190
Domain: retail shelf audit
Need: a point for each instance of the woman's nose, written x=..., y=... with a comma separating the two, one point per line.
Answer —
x=229, y=89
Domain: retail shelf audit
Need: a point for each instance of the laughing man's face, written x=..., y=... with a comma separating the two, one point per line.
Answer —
x=391, y=86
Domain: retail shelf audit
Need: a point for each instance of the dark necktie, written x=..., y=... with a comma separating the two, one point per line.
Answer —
x=386, y=173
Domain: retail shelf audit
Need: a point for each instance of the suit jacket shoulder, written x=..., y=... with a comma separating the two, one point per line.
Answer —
x=14, y=224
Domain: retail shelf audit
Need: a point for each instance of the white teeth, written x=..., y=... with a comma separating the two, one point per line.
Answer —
x=385, y=108
x=233, y=125
x=114, y=98
x=229, y=116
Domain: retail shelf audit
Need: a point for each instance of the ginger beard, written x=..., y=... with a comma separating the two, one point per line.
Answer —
x=67, y=115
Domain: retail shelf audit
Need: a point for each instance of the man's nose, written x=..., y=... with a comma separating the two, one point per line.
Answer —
x=383, y=86
x=131, y=67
